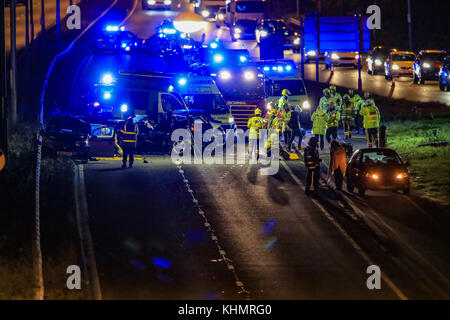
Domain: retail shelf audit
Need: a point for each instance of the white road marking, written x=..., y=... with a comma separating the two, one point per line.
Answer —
x=352, y=242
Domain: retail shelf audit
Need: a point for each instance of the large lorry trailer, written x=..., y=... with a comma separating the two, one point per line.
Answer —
x=245, y=10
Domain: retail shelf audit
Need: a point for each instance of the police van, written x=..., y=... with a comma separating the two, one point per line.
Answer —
x=203, y=93
x=280, y=75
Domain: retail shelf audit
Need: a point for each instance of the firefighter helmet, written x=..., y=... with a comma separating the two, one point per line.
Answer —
x=367, y=95
x=257, y=112
x=351, y=92
x=333, y=88
x=286, y=92
x=346, y=97
x=326, y=91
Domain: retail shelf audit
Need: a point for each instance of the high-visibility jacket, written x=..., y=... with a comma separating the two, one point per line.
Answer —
x=319, y=119
x=357, y=102
x=282, y=102
x=286, y=118
x=129, y=134
x=324, y=102
x=371, y=116
x=348, y=111
x=269, y=119
x=311, y=156
x=254, y=124
x=333, y=118
x=337, y=99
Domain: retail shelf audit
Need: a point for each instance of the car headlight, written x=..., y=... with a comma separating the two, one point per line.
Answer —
x=334, y=56
x=218, y=58
x=401, y=176
x=205, y=13
x=167, y=2
x=249, y=75
x=230, y=120
x=426, y=65
x=107, y=79
x=224, y=75
x=151, y=2
x=311, y=53
x=264, y=33
x=357, y=57
x=220, y=17
x=296, y=41
x=378, y=62
x=124, y=108
x=306, y=105
x=373, y=176
x=395, y=67
x=243, y=59
x=237, y=30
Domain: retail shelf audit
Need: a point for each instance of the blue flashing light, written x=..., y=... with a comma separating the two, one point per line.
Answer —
x=182, y=81
x=112, y=28
x=280, y=69
x=124, y=107
x=122, y=28
x=243, y=58
x=107, y=95
x=288, y=68
x=266, y=68
x=218, y=58
x=274, y=68
x=124, y=45
x=169, y=31
x=107, y=79
x=213, y=45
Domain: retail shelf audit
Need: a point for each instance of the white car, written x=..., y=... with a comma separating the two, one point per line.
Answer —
x=156, y=4
x=341, y=59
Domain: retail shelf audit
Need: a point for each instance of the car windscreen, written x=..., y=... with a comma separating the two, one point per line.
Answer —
x=274, y=25
x=403, y=57
x=212, y=9
x=67, y=124
x=380, y=157
x=250, y=6
x=296, y=87
x=433, y=56
x=212, y=103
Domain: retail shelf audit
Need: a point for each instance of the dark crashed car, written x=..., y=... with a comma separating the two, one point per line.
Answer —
x=377, y=169
x=66, y=136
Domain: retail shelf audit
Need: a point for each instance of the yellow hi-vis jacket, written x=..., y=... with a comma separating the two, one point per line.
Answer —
x=286, y=118
x=281, y=102
x=333, y=118
x=129, y=135
x=319, y=119
x=371, y=116
x=254, y=124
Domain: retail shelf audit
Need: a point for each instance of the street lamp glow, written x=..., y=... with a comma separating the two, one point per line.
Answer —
x=189, y=22
x=124, y=107
x=225, y=75
x=249, y=75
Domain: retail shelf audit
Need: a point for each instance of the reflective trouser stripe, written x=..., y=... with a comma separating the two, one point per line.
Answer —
x=312, y=181
x=128, y=140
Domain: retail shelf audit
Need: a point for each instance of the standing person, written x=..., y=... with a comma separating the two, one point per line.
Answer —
x=254, y=124
x=286, y=114
x=357, y=102
x=296, y=127
x=325, y=100
x=312, y=163
x=335, y=97
x=332, y=123
x=274, y=135
x=319, y=119
x=371, y=116
x=347, y=116
x=128, y=141
x=338, y=163
x=284, y=99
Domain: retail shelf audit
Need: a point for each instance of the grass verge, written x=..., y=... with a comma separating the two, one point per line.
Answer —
x=59, y=238
x=429, y=164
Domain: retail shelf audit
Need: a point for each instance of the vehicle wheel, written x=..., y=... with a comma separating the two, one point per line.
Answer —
x=421, y=79
x=406, y=191
x=350, y=187
x=361, y=191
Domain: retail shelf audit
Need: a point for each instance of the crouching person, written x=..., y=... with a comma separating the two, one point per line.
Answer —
x=312, y=163
x=338, y=163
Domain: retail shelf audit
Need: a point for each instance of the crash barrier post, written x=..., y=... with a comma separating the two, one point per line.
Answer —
x=382, y=136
